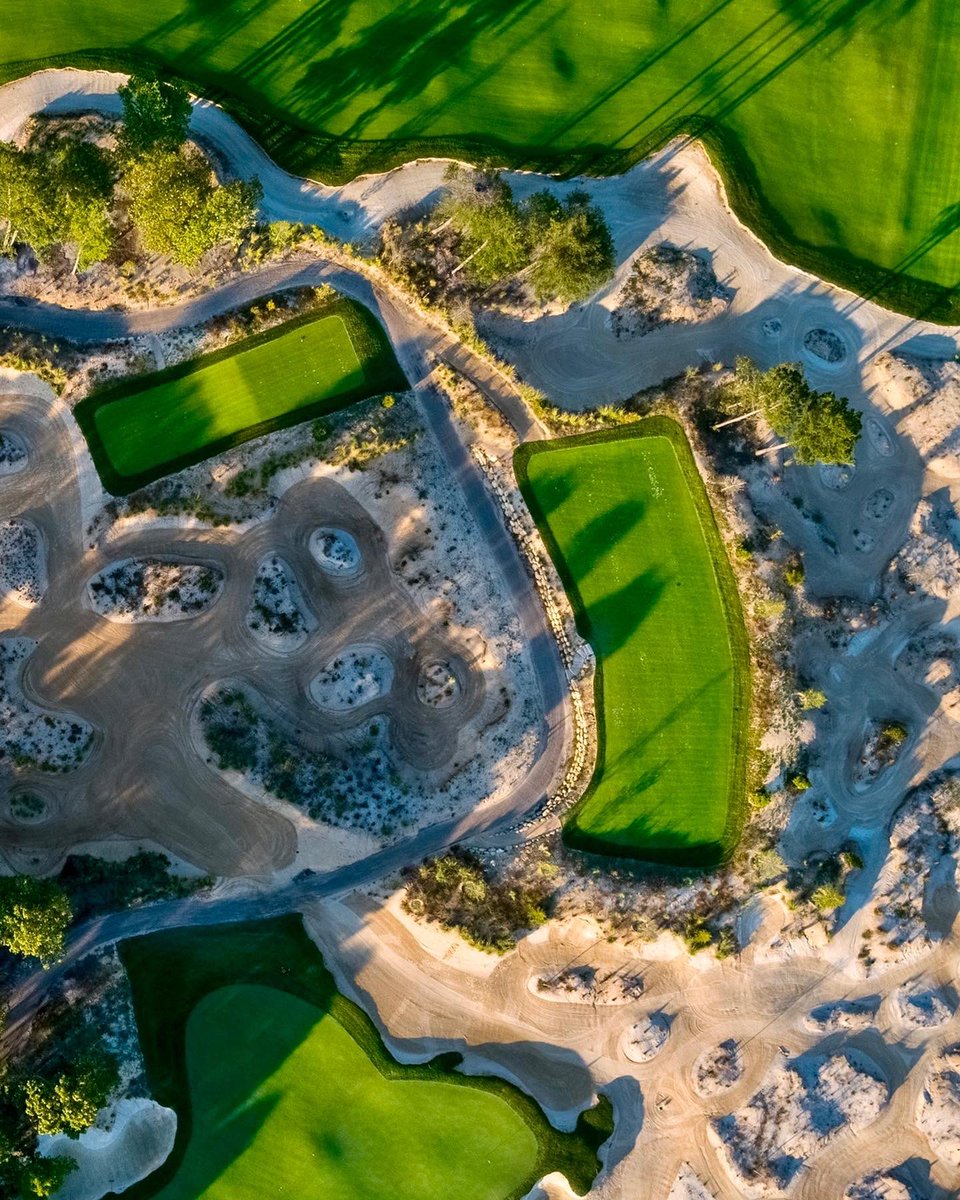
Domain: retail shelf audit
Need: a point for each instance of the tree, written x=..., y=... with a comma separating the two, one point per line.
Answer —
x=34, y=915
x=819, y=426
x=156, y=114
x=573, y=251
x=493, y=236
x=69, y=1102
x=58, y=193
x=179, y=209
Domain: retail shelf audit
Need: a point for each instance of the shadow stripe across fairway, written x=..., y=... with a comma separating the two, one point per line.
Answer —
x=832, y=120
x=150, y=426
x=629, y=525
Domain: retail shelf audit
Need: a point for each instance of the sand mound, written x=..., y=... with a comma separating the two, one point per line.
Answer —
x=647, y=1038
x=844, y=1014
x=112, y=1160
x=335, y=551
x=277, y=615
x=938, y=1114
x=153, y=589
x=23, y=570
x=437, y=686
x=930, y=560
x=356, y=676
x=928, y=392
x=667, y=286
x=922, y=1009
x=878, y=1186
x=803, y=1105
x=688, y=1186
x=718, y=1069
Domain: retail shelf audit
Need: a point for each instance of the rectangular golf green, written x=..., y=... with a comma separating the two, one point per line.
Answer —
x=147, y=427
x=630, y=528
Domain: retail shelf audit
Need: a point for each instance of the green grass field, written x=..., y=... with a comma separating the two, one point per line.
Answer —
x=284, y=1087
x=834, y=119
x=630, y=528
x=147, y=427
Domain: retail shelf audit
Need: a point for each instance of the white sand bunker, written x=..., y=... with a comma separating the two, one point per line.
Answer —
x=277, y=615
x=335, y=551
x=825, y=345
x=13, y=453
x=922, y=1009
x=356, y=676
x=879, y=1186
x=23, y=567
x=843, y=1014
x=689, y=1186
x=437, y=686
x=30, y=737
x=646, y=1039
x=718, y=1069
x=111, y=1160
x=667, y=286
x=585, y=985
x=803, y=1105
x=153, y=589
x=938, y=1108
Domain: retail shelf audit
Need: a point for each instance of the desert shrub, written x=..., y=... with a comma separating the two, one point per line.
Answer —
x=812, y=698
x=696, y=935
x=827, y=897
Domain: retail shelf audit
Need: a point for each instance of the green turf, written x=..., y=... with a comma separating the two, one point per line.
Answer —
x=274, y=1081
x=144, y=428
x=629, y=525
x=835, y=118
x=283, y=1087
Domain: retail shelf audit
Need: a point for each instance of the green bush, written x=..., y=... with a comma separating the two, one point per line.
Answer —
x=827, y=897
x=812, y=698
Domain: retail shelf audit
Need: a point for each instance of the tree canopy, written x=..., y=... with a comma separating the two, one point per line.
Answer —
x=156, y=114
x=819, y=426
x=572, y=247
x=178, y=208
x=34, y=915
x=69, y=1102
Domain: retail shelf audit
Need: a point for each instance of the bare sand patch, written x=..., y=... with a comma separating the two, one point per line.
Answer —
x=23, y=568
x=938, y=1106
x=153, y=589
x=358, y=675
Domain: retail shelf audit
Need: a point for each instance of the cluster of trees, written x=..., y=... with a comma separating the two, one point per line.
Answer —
x=64, y=190
x=818, y=426
x=563, y=247
x=456, y=891
x=34, y=915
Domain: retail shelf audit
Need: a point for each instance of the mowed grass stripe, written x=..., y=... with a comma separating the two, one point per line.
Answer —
x=147, y=427
x=285, y=1101
x=630, y=528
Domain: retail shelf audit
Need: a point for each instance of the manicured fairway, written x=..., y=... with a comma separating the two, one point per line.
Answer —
x=147, y=427
x=836, y=118
x=286, y=1103
x=630, y=528
x=283, y=1087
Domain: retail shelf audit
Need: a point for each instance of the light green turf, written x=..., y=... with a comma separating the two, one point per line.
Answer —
x=286, y=1103
x=847, y=110
x=177, y=417
x=628, y=533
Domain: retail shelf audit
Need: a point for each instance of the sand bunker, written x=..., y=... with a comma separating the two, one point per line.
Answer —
x=30, y=737
x=803, y=1105
x=13, y=454
x=277, y=615
x=111, y=1160
x=23, y=571
x=356, y=676
x=335, y=551
x=938, y=1109
x=152, y=589
x=646, y=1039
x=718, y=1069
x=437, y=686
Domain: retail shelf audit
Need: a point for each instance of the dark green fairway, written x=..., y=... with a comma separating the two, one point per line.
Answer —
x=284, y=1088
x=630, y=527
x=144, y=428
x=835, y=118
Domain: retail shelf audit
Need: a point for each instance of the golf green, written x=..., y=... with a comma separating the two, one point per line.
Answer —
x=834, y=119
x=629, y=525
x=285, y=1102
x=144, y=428
x=283, y=1087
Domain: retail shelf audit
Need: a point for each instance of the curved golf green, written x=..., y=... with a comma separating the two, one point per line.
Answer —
x=834, y=120
x=285, y=1100
x=630, y=528
x=284, y=1087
